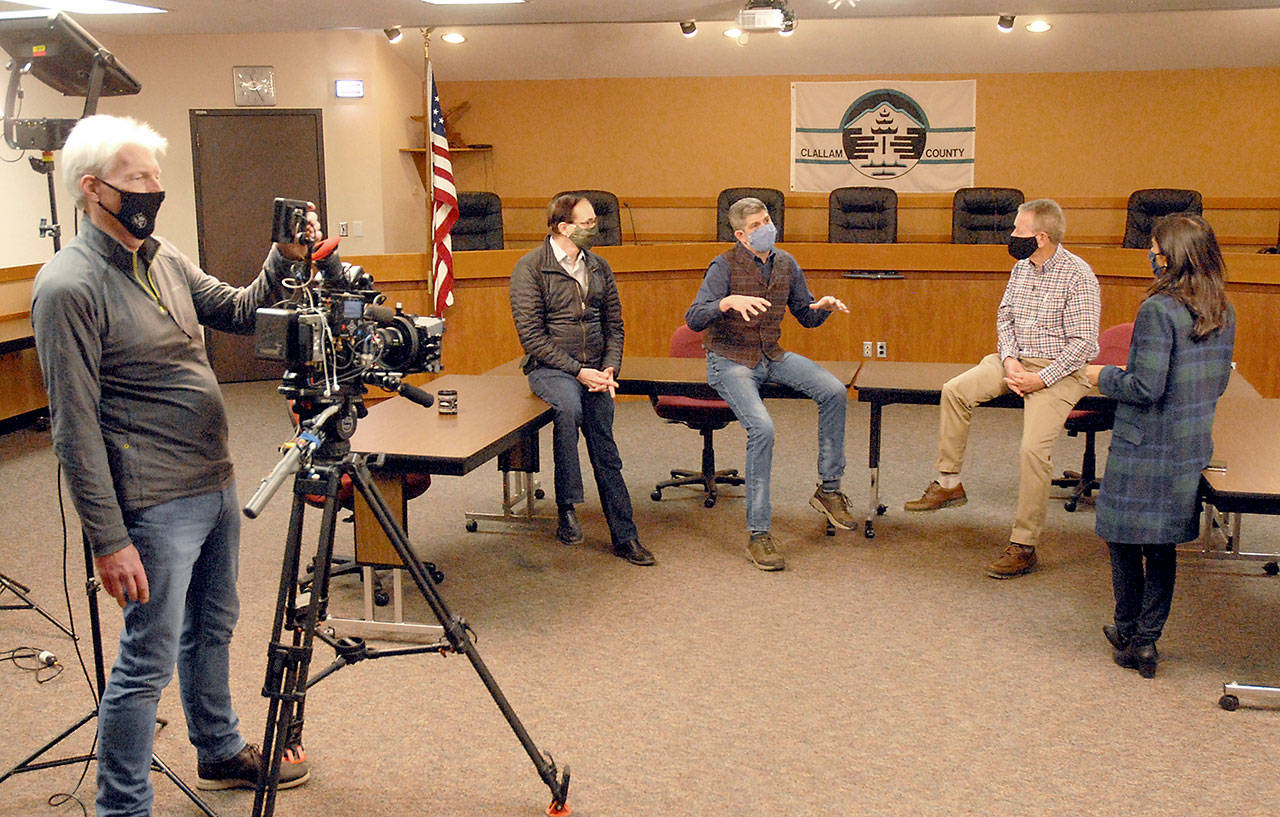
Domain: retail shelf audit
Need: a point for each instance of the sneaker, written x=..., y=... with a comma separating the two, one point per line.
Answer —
x=835, y=505
x=763, y=552
x=241, y=772
x=1016, y=560
x=935, y=497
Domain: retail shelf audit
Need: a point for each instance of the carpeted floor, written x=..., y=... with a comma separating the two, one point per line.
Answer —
x=872, y=677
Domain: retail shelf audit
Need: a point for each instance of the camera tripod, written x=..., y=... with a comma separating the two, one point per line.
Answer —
x=323, y=446
x=20, y=590
x=92, y=586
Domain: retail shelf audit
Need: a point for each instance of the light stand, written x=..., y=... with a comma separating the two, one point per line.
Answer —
x=21, y=590
x=95, y=631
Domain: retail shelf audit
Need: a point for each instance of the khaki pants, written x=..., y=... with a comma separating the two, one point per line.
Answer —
x=1043, y=415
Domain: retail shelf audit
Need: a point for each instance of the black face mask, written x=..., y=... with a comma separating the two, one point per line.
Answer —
x=137, y=210
x=1022, y=248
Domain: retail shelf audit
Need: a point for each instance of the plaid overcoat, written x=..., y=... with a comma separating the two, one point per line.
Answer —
x=1162, y=437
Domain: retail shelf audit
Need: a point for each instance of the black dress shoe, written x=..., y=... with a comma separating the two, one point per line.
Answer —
x=633, y=552
x=1146, y=656
x=1112, y=632
x=569, y=532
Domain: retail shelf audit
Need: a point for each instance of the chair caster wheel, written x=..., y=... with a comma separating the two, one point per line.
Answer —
x=1069, y=506
x=869, y=531
x=709, y=502
x=1229, y=702
x=472, y=526
x=656, y=496
x=881, y=510
x=538, y=493
x=1271, y=568
x=381, y=597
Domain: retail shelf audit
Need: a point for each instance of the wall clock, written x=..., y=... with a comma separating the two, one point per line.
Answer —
x=255, y=84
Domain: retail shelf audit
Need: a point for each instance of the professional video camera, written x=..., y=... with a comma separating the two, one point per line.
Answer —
x=335, y=334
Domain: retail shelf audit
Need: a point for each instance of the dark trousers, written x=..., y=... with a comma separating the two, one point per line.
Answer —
x=592, y=412
x=1143, y=597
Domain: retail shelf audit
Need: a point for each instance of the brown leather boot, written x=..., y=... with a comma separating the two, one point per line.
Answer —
x=935, y=497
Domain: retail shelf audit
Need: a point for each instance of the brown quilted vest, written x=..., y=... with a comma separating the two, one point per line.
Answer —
x=742, y=342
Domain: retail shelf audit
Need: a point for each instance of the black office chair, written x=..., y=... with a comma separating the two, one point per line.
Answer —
x=608, y=217
x=862, y=215
x=1113, y=349
x=1145, y=206
x=704, y=416
x=773, y=200
x=479, y=224
x=984, y=215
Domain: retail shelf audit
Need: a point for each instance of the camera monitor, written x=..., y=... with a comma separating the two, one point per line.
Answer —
x=62, y=54
x=57, y=51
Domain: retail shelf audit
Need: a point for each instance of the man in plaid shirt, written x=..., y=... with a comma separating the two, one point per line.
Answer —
x=1046, y=331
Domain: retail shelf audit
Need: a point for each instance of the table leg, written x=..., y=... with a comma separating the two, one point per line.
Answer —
x=873, y=463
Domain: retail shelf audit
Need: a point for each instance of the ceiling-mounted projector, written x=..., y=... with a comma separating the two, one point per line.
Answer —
x=769, y=15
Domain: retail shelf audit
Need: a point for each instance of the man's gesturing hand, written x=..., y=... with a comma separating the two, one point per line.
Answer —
x=748, y=306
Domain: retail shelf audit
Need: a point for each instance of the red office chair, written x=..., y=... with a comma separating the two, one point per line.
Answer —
x=704, y=416
x=1113, y=348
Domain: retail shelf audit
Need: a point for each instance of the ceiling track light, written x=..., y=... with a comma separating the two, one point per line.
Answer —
x=1005, y=23
x=689, y=28
x=394, y=34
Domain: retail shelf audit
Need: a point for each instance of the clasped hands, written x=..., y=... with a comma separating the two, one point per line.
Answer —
x=598, y=379
x=1020, y=381
x=748, y=306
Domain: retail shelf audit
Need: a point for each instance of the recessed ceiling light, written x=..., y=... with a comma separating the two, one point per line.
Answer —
x=1038, y=26
x=91, y=6
x=733, y=33
x=1005, y=23
x=689, y=28
x=454, y=37
x=470, y=2
x=394, y=34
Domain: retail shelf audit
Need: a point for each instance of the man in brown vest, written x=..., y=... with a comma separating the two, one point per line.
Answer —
x=743, y=298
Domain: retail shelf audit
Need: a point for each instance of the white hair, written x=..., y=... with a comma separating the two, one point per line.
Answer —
x=95, y=143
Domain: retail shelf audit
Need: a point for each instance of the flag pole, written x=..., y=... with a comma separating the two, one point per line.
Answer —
x=430, y=163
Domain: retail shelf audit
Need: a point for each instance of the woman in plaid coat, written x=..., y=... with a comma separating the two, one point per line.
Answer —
x=1179, y=364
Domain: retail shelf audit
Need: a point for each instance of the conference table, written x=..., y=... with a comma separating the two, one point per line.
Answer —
x=882, y=383
x=498, y=418
x=1244, y=476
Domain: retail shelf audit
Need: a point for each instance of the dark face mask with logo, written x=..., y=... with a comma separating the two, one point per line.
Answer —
x=137, y=213
x=1022, y=247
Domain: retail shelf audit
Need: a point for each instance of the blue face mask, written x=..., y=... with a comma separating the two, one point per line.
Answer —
x=1155, y=265
x=761, y=238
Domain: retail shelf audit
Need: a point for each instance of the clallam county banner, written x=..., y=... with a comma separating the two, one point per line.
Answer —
x=915, y=137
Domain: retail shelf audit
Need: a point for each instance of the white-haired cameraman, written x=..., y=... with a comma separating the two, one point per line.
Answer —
x=141, y=431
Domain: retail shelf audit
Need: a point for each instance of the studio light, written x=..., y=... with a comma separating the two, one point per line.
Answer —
x=1038, y=26
x=394, y=34
x=1005, y=23
x=689, y=28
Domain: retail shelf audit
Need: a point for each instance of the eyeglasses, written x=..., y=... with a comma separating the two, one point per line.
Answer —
x=591, y=222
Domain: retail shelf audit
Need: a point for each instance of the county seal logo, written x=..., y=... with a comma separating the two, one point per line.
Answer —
x=884, y=133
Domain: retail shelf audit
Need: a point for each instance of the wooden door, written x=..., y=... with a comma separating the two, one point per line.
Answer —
x=242, y=160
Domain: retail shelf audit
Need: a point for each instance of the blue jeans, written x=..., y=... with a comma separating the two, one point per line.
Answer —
x=739, y=386
x=190, y=550
x=592, y=412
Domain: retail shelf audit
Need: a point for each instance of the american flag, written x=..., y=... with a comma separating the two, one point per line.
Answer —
x=444, y=203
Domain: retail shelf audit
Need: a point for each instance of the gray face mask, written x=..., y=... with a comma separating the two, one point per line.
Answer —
x=584, y=237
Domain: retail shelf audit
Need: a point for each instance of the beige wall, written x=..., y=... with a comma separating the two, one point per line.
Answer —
x=1062, y=135
x=367, y=178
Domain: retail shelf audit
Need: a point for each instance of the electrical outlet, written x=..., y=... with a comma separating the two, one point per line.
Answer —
x=882, y=349
x=867, y=348
x=343, y=229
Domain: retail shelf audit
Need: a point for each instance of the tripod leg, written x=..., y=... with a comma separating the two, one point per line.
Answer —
x=287, y=663
x=455, y=630
x=21, y=590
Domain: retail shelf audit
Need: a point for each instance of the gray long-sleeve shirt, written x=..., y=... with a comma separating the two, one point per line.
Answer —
x=137, y=414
